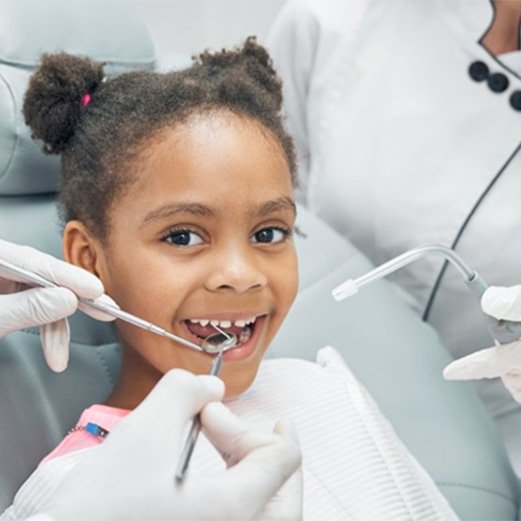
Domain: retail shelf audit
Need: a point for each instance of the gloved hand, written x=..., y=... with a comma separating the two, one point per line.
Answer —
x=21, y=307
x=131, y=474
x=503, y=361
x=260, y=452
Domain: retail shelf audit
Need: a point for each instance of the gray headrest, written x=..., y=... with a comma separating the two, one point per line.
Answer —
x=112, y=32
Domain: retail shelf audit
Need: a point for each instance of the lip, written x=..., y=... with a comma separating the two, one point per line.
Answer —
x=236, y=353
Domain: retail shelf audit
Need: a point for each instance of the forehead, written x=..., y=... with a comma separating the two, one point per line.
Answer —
x=214, y=157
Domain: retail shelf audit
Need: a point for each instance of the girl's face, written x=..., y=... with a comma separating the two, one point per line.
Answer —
x=203, y=234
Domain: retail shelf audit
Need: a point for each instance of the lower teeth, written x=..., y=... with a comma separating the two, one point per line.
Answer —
x=245, y=335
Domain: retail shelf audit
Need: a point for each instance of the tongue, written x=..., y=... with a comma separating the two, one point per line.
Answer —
x=205, y=331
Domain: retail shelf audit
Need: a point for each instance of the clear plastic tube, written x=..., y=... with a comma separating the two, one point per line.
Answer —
x=471, y=277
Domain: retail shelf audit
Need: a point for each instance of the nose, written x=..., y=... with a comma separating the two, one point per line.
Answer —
x=237, y=269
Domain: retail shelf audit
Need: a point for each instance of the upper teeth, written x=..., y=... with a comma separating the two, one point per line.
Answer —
x=225, y=324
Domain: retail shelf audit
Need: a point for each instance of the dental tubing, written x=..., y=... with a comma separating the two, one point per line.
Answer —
x=504, y=331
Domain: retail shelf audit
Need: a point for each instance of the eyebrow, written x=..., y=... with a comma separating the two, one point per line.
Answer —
x=171, y=209
x=280, y=204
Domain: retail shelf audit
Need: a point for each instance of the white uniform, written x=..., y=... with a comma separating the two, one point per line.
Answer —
x=399, y=147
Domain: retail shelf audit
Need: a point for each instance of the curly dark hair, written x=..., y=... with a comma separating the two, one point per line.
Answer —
x=100, y=126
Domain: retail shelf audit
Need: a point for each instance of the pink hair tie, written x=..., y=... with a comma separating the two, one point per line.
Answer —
x=85, y=100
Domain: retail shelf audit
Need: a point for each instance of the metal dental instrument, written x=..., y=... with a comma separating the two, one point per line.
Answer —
x=37, y=280
x=504, y=331
x=209, y=344
x=212, y=345
x=195, y=429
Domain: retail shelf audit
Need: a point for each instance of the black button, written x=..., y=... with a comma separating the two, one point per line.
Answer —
x=498, y=82
x=478, y=71
x=515, y=100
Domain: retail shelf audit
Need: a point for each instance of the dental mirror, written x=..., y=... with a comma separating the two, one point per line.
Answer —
x=218, y=342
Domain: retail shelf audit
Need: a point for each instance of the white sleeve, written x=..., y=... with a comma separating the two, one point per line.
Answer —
x=310, y=42
x=292, y=43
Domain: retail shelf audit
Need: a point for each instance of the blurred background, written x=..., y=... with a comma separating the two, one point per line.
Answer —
x=186, y=27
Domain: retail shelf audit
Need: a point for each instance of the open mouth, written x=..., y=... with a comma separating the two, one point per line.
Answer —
x=203, y=328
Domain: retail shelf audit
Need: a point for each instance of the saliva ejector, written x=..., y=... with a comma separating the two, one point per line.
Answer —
x=504, y=331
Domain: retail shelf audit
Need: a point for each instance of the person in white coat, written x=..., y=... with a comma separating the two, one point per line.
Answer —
x=407, y=119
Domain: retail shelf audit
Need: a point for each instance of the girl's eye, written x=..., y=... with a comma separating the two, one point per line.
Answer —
x=183, y=238
x=270, y=235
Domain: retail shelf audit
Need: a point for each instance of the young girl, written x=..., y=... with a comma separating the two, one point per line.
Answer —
x=177, y=193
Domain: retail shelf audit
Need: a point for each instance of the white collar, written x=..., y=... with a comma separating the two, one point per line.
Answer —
x=512, y=61
x=475, y=17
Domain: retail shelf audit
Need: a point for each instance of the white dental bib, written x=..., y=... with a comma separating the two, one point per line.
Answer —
x=354, y=465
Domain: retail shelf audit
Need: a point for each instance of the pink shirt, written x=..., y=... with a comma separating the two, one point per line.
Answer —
x=102, y=415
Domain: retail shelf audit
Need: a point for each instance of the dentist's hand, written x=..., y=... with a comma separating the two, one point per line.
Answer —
x=21, y=306
x=262, y=454
x=130, y=475
x=503, y=361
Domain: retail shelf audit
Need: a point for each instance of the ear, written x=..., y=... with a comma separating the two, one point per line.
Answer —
x=82, y=249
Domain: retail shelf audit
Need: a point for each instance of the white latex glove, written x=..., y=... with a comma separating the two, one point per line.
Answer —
x=503, y=361
x=260, y=451
x=130, y=476
x=21, y=306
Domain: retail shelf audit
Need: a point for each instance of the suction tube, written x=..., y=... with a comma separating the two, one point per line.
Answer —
x=503, y=331
x=472, y=278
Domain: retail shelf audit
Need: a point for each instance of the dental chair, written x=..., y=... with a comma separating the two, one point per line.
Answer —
x=396, y=356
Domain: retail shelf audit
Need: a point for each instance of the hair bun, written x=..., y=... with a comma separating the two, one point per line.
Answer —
x=56, y=98
x=256, y=62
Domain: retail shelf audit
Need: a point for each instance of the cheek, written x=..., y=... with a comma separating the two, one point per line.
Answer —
x=284, y=284
x=148, y=289
x=287, y=282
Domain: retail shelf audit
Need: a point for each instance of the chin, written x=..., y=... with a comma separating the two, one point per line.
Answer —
x=237, y=381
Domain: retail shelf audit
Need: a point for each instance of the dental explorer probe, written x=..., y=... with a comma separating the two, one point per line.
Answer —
x=504, y=331
x=195, y=429
x=37, y=280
